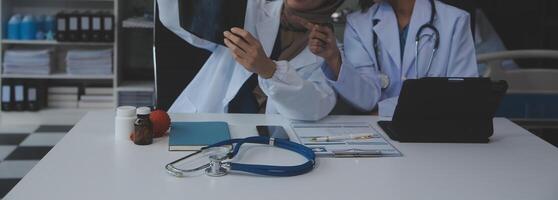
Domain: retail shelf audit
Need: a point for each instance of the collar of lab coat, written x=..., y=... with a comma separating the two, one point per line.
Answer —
x=387, y=30
x=267, y=29
x=267, y=25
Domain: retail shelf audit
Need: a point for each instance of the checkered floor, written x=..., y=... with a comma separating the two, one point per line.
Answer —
x=21, y=147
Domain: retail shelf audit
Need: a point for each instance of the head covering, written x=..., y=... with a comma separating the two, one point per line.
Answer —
x=294, y=36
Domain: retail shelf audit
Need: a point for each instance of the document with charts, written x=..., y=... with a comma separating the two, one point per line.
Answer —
x=346, y=139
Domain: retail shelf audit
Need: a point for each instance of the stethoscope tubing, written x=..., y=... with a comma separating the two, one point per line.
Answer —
x=268, y=170
x=418, y=38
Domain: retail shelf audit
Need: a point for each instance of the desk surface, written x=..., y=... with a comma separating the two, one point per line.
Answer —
x=89, y=164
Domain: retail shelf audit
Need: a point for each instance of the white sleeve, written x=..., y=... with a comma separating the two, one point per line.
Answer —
x=296, y=98
x=169, y=16
x=463, y=60
x=357, y=82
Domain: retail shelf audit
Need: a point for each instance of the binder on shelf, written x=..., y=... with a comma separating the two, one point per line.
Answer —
x=85, y=27
x=108, y=27
x=73, y=26
x=61, y=27
x=32, y=98
x=19, y=97
x=96, y=27
x=6, y=97
x=35, y=94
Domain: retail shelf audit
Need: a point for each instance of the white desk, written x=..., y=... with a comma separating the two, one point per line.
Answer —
x=89, y=164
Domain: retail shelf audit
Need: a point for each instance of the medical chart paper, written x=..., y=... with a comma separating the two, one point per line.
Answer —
x=376, y=146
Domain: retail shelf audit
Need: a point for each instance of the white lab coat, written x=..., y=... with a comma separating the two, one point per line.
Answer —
x=359, y=82
x=298, y=90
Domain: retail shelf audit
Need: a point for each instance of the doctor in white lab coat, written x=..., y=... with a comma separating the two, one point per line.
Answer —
x=295, y=87
x=355, y=73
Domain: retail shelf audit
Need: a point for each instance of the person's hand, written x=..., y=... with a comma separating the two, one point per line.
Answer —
x=248, y=51
x=322, y=42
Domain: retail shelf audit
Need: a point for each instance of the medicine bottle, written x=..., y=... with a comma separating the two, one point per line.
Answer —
x=143, y=134
x=124, y=122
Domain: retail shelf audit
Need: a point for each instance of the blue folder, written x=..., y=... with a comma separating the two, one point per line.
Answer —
x=192, y=136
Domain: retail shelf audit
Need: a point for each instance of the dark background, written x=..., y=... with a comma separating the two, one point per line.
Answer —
x=521, y=24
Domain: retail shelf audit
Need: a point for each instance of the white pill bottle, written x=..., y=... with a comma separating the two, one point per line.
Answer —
x=124, y=122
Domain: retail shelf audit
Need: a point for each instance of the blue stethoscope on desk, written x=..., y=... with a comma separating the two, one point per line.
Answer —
x=384, y=78
x=220, y=155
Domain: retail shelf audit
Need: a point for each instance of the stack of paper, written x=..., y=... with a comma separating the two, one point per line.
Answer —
x=97, y=98
x=63, y=97
x=138, y=22
x=89, y=62
x=36, y=62
x=135, y=98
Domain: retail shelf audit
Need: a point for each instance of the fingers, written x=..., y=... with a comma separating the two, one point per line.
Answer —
x=317, y=46
x=307, y=24
x=323, y=30
x=246, y=36
x=320, y=36
x=236, y=51
x=239, y=42
x=317, y=42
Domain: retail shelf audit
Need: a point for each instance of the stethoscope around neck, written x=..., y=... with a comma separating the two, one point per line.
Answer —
x=384, y=78
x=219, y=156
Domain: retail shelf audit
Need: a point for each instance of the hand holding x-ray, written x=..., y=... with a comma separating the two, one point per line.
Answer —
x=248, y=51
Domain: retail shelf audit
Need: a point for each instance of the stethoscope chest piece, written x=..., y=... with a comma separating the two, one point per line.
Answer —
x=217, y=166
x=384, y=80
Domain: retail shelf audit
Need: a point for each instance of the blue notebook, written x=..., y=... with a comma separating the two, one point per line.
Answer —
x=192, y=136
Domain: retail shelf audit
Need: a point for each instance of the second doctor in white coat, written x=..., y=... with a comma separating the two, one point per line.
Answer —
x=296, y=88
x=355, y=74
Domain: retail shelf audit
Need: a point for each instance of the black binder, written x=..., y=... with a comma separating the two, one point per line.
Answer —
x=447, y=110
x=35, y=95
x=6, y=96
x=107, y=27
x=208, y=19
x=19, y=97
x=85, y=27
x=73, y=26
x=61, y=27
x=97, y=27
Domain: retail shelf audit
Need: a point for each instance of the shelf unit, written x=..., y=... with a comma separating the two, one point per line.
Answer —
x=136, y=56
x=59, y=77
x=53, y=42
